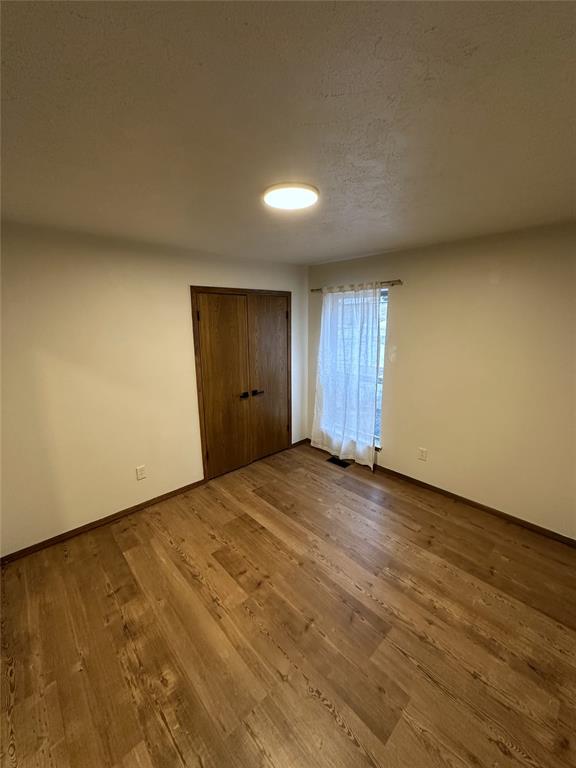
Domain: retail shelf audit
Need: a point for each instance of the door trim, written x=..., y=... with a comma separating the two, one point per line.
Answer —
x=194, y=291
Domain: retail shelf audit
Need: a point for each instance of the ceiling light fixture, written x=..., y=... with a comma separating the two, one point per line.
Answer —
x=291, y=196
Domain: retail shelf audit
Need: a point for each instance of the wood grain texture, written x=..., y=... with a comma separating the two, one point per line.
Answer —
x=293, y=613
x=242, y=349
x=225, y=377
x=268, y=322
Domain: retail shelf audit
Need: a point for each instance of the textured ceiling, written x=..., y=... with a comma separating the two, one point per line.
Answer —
x=164, y=121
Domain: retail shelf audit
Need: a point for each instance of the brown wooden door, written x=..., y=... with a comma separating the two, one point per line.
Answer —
x=223, y=380
x=268, y=334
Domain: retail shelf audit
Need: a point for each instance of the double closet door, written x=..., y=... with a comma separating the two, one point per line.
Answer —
x=242, y=348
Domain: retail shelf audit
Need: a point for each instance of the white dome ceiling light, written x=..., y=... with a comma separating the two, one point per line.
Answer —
x=291, y=196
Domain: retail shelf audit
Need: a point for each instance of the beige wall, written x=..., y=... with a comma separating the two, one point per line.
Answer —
x=99, y=374
x=481, y=368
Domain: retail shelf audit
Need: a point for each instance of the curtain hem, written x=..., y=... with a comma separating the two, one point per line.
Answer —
x=346, y=455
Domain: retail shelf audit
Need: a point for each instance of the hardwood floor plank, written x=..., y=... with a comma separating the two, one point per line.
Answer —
x=502, y=572
x=63, y=660
x=335, y=612
x=453, y=586
x=293, y=613
x=444, y=691
x=213, y=668
x=112, y=716
x=375, y=698
x=293, y=667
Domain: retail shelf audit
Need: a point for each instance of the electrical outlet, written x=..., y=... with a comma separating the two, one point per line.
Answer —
x=422, y=454
x=141, y=472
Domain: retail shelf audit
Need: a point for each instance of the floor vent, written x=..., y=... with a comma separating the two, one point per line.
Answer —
x=339, y=462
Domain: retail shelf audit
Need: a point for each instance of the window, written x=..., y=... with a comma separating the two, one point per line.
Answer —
x=349, y=383
x=382, y=318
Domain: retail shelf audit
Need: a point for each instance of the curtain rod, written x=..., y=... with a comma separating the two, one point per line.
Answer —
x=380, y=282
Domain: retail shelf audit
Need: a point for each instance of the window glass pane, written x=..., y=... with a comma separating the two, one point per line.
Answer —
x=381, y=358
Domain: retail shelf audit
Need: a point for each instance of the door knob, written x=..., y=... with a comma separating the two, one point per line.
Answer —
x=257, y=392
x=244, y=395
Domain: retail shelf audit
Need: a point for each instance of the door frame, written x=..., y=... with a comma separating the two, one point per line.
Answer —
x=194, y=291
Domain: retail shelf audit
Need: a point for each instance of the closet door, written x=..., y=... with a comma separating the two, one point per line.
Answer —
x=223, y=380
x=269, y=339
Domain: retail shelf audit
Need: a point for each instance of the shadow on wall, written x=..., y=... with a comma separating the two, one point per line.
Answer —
x=35, y=466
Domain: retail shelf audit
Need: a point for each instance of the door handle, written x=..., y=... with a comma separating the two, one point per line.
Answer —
x=257, y=392
x=244, y=395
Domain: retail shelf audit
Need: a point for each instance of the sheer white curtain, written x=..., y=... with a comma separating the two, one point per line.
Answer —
x=347, y=379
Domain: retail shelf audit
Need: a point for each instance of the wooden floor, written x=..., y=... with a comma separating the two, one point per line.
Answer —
x=293, y=614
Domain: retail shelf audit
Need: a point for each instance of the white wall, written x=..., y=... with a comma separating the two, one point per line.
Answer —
x=99, y=371
x=99, y=374
x=481, y=368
